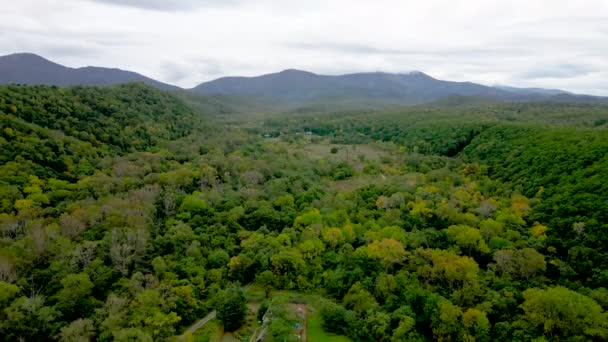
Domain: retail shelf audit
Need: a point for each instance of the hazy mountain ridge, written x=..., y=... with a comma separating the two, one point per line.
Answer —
x=27, y=68
x=302, y=86
x=299, y=87
x=291, y=87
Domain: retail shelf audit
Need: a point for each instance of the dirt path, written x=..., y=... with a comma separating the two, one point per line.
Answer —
x=199, y=324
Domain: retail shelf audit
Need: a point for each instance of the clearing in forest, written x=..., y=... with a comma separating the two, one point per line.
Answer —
x=348, y=153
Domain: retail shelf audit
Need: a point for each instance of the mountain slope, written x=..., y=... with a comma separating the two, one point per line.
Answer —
x=532, y=91
x=297, y=87
x=27, y=68
x=118, y=119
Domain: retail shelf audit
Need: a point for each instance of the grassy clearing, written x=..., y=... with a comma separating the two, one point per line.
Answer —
x=356, y=182
x=349, y=153
x=256, y=294
x=316, y=332
x=318, y=148
x=210, y=332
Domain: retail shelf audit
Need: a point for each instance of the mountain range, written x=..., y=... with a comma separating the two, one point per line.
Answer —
x=28, y=68
x=289, y=87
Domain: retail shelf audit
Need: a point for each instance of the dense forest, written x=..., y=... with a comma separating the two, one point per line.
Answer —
x=128, y=214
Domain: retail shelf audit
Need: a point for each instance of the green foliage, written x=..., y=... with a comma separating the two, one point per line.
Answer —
x=562, y=167
x=7, y=293
x=476, y=324
x=446, y=322
x=405, y=330
x=232, y=308
x=266, y=280
x=467, y=238
x=64, y=132
x=78, y=331
x=282, y=322
x=194, y=204
x=317, y=332
x=342, y=170
x=335, y=318
x=122, y=218
x=73, y=299
x=561, y=312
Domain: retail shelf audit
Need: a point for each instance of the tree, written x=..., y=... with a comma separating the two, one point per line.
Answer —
x=238, y=268
x=477, y=325
x=529, y=262
x=467, y=238
x=127, y=247
x=263, y=309
x=218, y=259
x=522, y=263
x=28, y=318
x=406, y=331
x=7, y=293
x=232, y=308
x=334, y=317
x=73, y=299
x=266, y=280
x=333, y=237
x=359, y=299
x=311, y=249
x=252, y=177
x=149, y=310
x=376, y=325
x=490, y=228
x=388, y=251
x=80, y=330
x=446, y=322
x=457, y=270
x=558, y=311
x=194, y=204
x=286, y=266
x=307, y=219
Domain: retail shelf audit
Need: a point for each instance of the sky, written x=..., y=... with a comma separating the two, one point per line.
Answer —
x=527, y=43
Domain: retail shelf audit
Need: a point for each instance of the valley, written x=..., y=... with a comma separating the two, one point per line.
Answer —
x=303, y=171
x=131, y=213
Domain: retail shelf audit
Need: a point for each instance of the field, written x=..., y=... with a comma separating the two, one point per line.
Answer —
x=316, y=332
x=211, y=332
x=348, y=153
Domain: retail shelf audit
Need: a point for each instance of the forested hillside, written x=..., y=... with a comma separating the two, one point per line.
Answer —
x=128, y=215
x=553, y=152
x=567, y=169
x=61, y=131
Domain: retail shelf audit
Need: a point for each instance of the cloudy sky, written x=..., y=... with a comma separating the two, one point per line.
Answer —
x=546, y=43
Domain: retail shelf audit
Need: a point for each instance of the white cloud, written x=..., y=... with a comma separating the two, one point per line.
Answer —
x=549, y=43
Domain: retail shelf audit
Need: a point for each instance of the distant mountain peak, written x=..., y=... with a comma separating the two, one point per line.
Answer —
x=295, y=71
x=418, y=74
x=29, y=68
x=25, y=57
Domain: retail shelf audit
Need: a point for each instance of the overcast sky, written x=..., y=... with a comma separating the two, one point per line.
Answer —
x=541, y=43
